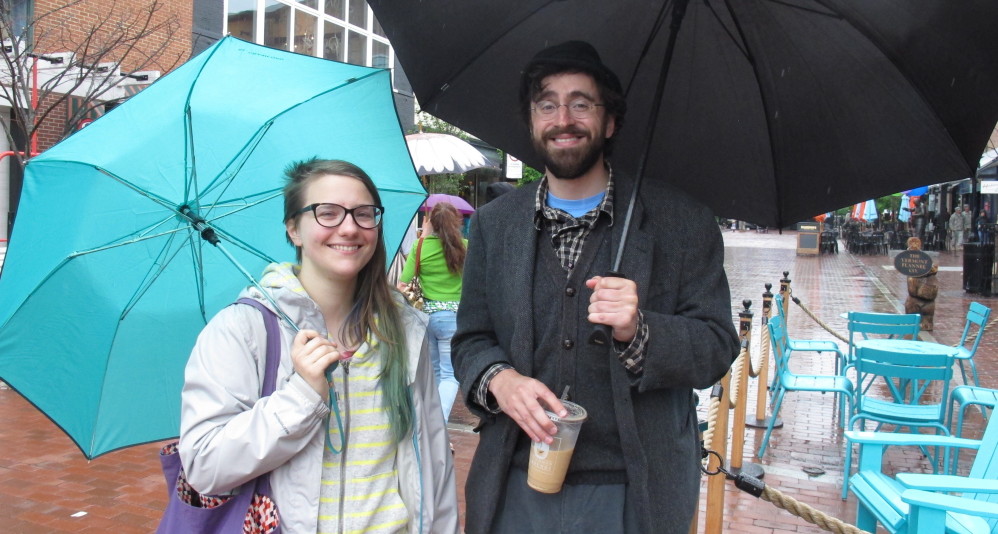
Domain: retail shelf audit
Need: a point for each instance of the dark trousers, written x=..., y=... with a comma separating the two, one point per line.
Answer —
x=577, y=508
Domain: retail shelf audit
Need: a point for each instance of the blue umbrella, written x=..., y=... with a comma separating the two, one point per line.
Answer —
x=870, y=211
x=111, y=271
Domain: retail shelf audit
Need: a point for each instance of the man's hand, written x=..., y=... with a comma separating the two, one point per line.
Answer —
x=614, y=303
x=520, y=397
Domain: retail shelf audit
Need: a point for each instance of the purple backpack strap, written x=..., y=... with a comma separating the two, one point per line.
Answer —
x=273, y=345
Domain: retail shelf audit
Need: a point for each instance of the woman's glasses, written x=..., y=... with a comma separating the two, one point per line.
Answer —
x=332, y=215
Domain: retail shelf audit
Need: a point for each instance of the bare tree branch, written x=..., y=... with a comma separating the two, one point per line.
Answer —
x=98, y=47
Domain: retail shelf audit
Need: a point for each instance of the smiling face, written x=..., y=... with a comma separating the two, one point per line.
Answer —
x=570, y=146
x=337, y=254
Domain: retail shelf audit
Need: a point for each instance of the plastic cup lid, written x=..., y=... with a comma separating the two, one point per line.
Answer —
x=576, y=413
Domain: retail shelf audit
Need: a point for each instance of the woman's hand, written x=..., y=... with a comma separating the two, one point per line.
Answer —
x=311, y=355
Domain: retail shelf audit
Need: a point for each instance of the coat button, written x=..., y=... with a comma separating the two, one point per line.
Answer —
x=568, y=344
x=570, y=291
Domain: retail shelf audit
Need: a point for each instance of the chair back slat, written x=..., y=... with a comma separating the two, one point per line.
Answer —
x=872, y=325
x=986, y=465
x=908, y=378
x=977, y=319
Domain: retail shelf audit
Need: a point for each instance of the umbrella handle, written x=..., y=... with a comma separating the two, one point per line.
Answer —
x=602, y=334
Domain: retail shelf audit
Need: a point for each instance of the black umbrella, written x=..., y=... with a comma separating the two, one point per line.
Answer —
x=774, y=110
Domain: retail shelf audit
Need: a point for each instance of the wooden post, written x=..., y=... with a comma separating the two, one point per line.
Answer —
x=714, y=523
x=785, y=293
x=762, y=395
x=736, y=462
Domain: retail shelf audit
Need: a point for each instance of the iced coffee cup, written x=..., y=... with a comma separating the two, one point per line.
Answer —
x=549, y=463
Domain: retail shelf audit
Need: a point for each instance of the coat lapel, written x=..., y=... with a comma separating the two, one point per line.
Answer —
x=520, y=253
x=637, y=257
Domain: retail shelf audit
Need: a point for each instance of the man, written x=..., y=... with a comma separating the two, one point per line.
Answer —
x=956, y=228
x=532, y=294
x=918, y=218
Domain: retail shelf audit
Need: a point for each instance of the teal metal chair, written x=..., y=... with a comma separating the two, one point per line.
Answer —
x=911, y=402
x=810, y=345
x=977, y=319
x=918, y=503
x=786, y=380
x=963, y=397
x=873, y=325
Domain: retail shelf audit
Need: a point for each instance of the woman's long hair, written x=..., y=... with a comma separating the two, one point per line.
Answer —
x=374, y=308
x=446, y=223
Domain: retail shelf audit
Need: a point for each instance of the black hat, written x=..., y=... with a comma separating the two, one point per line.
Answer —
x=574, y=55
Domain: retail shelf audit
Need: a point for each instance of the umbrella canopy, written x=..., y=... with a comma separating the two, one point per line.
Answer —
x=458, y=202
x=870, y=210
x=772, y=111
x=109, y=276
x=437, y=153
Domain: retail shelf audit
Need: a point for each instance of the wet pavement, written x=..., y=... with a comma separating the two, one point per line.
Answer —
x=47, y=485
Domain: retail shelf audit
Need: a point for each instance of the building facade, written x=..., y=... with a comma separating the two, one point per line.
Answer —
x=341, y=30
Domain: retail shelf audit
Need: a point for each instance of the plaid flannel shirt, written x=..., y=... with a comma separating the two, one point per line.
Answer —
x=568, y=235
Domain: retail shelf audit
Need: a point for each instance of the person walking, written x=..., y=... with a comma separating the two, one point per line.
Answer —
x=956, y=228
x=535, y=284
x=352, y=436
x=941, y=224
x=981, y=223
x=440, y=257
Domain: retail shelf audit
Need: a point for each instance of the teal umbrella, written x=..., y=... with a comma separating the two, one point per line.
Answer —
x=111, y=270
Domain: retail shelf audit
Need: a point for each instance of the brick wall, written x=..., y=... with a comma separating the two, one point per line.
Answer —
x=63, y=30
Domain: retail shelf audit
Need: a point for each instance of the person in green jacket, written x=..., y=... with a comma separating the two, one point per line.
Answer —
x=441, y=263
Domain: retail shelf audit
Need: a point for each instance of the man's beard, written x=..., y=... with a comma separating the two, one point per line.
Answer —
x=569, y=164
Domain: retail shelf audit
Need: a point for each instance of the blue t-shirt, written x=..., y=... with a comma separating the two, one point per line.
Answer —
x=575, y=208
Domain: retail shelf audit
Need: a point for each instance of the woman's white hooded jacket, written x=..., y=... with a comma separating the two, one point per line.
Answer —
x=229, y=435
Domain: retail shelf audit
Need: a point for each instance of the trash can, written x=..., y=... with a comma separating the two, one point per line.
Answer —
x=978, y=262
x=808, y=238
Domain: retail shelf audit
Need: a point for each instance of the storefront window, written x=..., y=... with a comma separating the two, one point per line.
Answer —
x=379, y=55
x=358, y=13
x=305, y=28
x=276, y=23
x=357, y=49
x=241, y=19
x=335, y=8
x=333, y=42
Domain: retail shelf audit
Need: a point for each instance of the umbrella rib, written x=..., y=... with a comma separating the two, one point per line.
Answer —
x=459, y=70
x=155, y=198
x=915, y=87
x=766, y=113
x=228, y=174
x=739, y=45
x=659, y=20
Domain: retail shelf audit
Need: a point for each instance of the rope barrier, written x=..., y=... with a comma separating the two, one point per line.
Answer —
x=736, y=371
x=819, y=321
x=708, y=435
x=807, y=513
x=757, y=488
x=755, y=363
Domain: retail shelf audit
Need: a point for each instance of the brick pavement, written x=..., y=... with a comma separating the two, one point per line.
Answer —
x=46, y=485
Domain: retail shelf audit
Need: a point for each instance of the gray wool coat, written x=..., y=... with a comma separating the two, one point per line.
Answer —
x=675, y=255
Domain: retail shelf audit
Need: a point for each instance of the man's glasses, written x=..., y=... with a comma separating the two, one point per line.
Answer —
x=332, y=215
x=580, y=109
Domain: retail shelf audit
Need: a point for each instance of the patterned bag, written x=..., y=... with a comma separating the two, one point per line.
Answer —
x=414, y=290
x=252, y=510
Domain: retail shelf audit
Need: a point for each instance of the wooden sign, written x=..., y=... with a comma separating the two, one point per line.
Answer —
x=913, y=263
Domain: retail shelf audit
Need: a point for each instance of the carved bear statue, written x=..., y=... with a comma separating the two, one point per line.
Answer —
x=922, y=291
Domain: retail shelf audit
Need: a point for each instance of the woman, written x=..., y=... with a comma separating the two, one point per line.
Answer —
x=384, y=466
x=441, y=262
